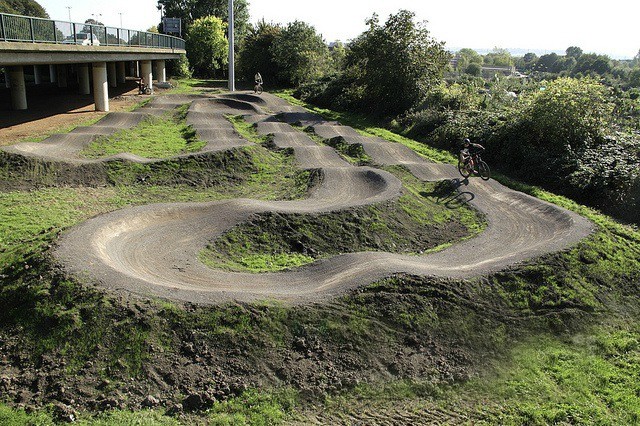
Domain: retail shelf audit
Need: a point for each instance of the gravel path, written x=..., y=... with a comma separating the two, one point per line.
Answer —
x=152, y=250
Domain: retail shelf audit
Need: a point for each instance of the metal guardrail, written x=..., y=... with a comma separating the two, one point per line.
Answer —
x=39, y=30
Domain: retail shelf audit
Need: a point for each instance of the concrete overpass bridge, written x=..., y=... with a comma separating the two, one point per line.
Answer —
x=98, y=57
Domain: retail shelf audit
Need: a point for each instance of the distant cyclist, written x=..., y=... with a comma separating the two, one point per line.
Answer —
x=469, y=150
x=258, y=80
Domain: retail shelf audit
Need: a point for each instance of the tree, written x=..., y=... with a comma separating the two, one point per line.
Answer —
x=499, y=58
x=590, y=63
x=338, y=55
x=473, y=69
x=396, y=64
x=206, y=45
x=300, y=54
x=468, y=56
x=190, y=10
x=255, y=52
x=23, y=7
x=573, y=52
x=546, y=62
x=634, y=77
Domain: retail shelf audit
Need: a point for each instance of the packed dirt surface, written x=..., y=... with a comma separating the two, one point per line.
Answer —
x=153, y=250
x=52, y=108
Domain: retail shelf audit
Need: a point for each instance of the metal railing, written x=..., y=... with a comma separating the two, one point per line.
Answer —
x=38, y=30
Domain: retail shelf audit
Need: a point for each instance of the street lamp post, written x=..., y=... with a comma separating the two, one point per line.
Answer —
x=232, y=83
x=69, y=7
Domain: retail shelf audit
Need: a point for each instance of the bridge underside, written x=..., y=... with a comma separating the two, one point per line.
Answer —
x=103, y=66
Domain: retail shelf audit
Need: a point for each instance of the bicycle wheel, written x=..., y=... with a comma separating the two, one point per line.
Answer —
x=464, y=169
x=483, y=170
x=147, y=90
x=259, y=89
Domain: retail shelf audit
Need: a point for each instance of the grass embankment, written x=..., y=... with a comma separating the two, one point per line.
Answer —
x=155, y=137
x=427, y=218
x=555, y=340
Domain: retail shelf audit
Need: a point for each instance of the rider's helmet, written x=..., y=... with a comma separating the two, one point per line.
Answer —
x=466, y=142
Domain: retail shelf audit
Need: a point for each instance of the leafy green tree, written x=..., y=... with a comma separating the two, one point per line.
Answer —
x=473, y=69
x=396, y=64
x=190, y=10
x=634, y=77
x=338, y=55
x=573, y=52
x=206, y=45
x=23, y=7
x=468, y=56
x=569, y=114
x=300, y=53
x=546, y=62
x=527, y=62
x=255, y=52
x=499, y=58
x=564, y=63
x=590, y=63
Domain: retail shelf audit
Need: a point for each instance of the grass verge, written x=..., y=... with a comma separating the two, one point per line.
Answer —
x=155, y=137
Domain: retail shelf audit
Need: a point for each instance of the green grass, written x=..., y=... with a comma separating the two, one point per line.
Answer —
x=31, y=220
x=590, y=378
x=368, y=127
x=258, y=262
x=276, y=242
x=562, y=371
x=154, y=137
x=246, y=130
x=196, y=86
x=254, y=408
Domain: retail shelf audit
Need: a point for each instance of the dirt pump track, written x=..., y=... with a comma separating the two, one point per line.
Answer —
x=152, y=250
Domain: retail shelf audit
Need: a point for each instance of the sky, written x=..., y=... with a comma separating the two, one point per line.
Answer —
x=542, y=25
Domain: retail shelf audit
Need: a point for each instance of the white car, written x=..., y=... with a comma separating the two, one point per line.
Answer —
x=83, y=39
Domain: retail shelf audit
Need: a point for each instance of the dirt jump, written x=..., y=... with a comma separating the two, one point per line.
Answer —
x=153, y=250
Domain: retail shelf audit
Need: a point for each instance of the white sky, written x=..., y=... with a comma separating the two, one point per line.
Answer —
x=609, y=27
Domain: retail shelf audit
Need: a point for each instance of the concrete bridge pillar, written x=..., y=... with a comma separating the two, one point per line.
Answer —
x=37, y=75
x=161, y=71
x=147, y=75
x=100, y=86
x=121, y=73
x=18, y=88
x=52, y=74
x=62, y=75
x=111, y=74
x=7, y=80
x=83, y=79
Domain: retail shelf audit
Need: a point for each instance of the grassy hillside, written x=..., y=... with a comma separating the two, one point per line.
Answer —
x=551, y=341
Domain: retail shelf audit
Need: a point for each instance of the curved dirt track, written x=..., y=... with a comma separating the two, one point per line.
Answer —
x=153, y=250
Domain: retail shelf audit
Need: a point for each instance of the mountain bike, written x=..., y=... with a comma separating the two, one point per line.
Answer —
x=257, y=88
x=473, y=164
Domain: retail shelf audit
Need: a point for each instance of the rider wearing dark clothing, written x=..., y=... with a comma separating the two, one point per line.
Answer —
x=469, y=149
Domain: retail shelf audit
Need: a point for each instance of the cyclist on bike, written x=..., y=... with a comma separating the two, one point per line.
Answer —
x=258, y=81
x=469, y=150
